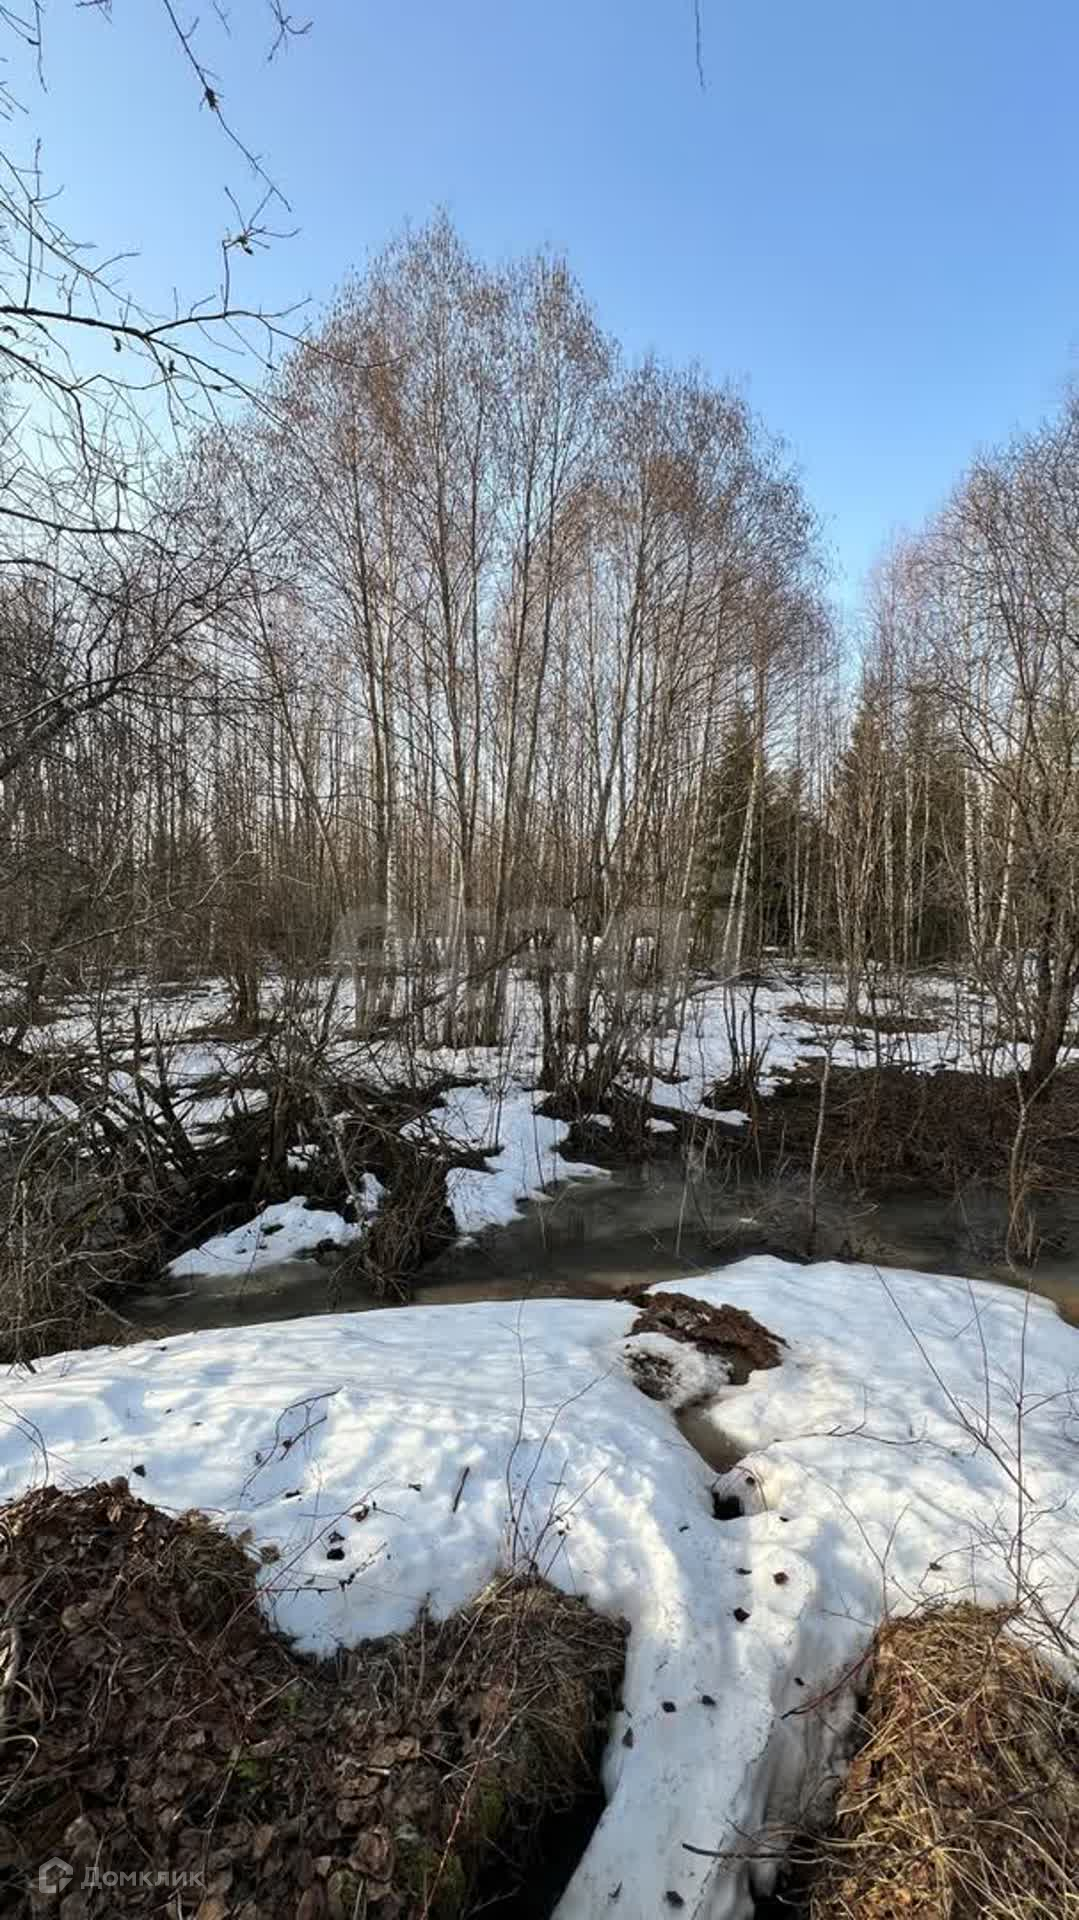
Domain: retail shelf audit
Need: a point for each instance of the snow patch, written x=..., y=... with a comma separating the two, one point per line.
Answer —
x=280, y=1232
x=527, y=1161
x=690, y=1376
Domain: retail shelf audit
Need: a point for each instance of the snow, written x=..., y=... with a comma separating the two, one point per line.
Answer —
x=26, y=1108
x=684, y=1061
x=921, y=1438
x=693, y=1375
x=280, y=1232
x=526, y=1163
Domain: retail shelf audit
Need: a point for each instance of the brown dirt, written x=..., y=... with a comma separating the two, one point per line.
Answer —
x=897, y=1127
x=734, y=1335
x=963, y=1801
x=652, y=1373
x=154, y=1723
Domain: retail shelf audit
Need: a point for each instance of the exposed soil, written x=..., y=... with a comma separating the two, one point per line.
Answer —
x=154, y=1724
x=726, y=1331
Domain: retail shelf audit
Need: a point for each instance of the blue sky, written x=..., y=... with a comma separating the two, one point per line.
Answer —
x=868, y=219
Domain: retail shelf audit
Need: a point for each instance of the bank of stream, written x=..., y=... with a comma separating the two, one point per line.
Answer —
x=642, y=1224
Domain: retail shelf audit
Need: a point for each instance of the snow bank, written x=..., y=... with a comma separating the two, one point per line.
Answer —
x=526, y=1163
x=280, y=1232
x=882, y=1467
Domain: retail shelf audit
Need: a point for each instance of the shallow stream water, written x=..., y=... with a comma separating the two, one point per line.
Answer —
x=595, y=1238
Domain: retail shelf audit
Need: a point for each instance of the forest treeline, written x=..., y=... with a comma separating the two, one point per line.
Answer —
x=466, y=638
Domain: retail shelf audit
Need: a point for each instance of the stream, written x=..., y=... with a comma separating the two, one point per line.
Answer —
x=596, y=1238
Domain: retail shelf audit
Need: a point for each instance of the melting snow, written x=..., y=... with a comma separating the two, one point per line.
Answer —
x=527, y=1161
x=280, y=1232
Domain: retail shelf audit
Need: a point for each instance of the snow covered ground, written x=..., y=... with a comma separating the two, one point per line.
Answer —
x=502, y=1115
x=694, y=1048
x=920, y=1439
x=280, y=1232
x=524, y=1162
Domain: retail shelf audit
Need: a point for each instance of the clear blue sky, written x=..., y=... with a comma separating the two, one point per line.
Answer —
x=869, y=219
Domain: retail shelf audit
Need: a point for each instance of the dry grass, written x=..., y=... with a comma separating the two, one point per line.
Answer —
x=963, y=1802
x=151, y=1721
x=894, y=1127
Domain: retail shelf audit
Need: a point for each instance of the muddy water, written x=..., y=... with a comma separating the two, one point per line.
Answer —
x=594, y=1238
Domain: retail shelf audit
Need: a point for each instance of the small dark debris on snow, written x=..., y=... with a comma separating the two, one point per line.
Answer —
x=669, y=1707
x=707, y=1700
x=740, y=1614
x=781, y=1579
x=628, y=1737
x=652, y=1373
x=673, y=1899
x=140, y=1470
x=335, y=1553
x=743, y=1569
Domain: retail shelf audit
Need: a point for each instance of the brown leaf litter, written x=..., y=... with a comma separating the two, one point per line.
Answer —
x=152, y=1723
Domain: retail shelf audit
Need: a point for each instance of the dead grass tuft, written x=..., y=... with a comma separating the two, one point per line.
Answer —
x=963, y=1801
x=152, y=1722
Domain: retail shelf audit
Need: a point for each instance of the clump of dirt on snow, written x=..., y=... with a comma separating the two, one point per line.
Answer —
x=726, y=1333
x=963, y=1800
x=152, y=1722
